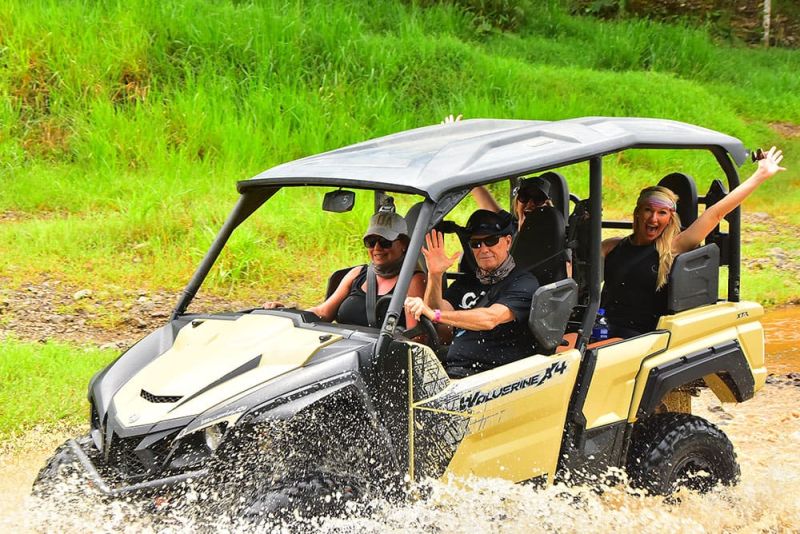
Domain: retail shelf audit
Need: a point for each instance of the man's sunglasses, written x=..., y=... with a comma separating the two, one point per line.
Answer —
x=371, y=240
x=537, y=199
x=486, y=241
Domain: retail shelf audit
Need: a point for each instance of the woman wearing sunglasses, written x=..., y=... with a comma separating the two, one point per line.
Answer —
x=531, y=193
x=386, y=241
x=637, y=266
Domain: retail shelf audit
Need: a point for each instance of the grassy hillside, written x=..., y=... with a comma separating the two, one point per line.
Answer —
x=45, y=384
x=125, y=125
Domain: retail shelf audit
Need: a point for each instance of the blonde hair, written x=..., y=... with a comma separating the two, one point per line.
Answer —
x=663, y=242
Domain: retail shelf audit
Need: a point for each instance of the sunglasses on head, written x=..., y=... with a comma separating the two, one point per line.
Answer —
x=537, y=198
x=486, y=241
x=371, y=240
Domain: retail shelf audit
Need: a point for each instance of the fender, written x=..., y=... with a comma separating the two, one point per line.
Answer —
x=725, y=362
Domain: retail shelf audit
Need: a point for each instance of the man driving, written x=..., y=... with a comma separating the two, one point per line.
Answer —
x=489, y=310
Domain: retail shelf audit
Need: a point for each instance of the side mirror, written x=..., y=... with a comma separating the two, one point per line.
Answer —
x=339, y=201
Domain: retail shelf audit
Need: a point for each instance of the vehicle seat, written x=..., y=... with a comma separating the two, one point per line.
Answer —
x=550, y=310
x=694, y=279
x=683, y=185
x=716, y=192
x=335, y=279
x=559, y=192
x=411, y=222
x=578, y=240
x=540, y=245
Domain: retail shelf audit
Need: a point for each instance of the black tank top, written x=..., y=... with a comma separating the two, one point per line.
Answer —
x=629, y=294
x=353, y=309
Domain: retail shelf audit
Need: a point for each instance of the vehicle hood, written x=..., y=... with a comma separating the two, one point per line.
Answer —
x=214, y=360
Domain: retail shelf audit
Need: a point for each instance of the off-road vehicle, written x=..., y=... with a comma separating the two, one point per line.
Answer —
x=276, y=404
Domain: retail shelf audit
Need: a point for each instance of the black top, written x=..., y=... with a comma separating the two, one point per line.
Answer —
x=353, y=309
x=629, y=293
x=506, y=342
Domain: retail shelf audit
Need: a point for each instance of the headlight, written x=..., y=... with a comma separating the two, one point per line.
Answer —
x=213, y=436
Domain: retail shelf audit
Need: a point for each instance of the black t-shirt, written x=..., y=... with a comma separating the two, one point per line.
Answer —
x=629, y=294
x=506, y=342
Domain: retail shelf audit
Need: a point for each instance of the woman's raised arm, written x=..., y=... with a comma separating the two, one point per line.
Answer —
x=710, y=218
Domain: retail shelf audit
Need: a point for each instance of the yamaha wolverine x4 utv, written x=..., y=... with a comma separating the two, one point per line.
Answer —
x=285, y=410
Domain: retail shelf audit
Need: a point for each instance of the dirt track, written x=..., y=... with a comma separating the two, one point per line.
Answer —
x=49, y=309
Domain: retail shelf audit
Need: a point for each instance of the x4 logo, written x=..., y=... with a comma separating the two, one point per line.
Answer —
x=477, y=398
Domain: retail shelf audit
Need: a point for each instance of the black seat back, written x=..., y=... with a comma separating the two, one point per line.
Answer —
x=694, y=279
x=559, y=192
x=716, y=192
x=540, y=245
x=683, y=185
x=578, y=241
x=550, y=310
x=334, y=281
x=411, y=222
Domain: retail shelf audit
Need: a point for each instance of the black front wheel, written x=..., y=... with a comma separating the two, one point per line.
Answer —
x=59, y=470
x=675, y=450
x=312, y=495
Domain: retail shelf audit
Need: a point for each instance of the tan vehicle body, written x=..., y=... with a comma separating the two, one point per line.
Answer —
x=517, y=436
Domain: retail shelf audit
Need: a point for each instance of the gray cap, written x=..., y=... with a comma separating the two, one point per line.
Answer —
x=388, y=225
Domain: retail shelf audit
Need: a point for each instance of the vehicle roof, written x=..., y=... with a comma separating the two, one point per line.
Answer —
x=435, y=159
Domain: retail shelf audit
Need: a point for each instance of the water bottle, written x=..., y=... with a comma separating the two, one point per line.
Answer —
x=600, y=328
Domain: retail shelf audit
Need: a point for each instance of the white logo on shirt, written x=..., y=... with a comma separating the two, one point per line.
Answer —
x=470, y=299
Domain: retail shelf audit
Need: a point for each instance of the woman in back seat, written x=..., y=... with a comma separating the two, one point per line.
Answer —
x=532, y=193
x=637, y=266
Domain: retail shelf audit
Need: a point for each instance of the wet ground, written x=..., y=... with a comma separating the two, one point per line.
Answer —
x=765, y=432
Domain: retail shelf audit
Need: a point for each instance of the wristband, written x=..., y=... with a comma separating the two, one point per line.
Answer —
x=437, y=315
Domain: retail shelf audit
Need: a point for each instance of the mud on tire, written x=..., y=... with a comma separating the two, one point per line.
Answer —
x=313, y=495
x=675, y=450
x=60, y=467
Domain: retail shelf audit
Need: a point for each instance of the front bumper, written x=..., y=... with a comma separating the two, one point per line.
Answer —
x=103, y=487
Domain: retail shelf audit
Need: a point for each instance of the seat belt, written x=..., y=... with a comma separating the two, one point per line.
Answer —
x=372, y=296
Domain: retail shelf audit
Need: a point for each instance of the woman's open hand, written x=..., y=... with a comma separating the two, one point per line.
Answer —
x=770, y=164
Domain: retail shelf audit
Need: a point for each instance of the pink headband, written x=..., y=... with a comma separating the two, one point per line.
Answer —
x=656, y=199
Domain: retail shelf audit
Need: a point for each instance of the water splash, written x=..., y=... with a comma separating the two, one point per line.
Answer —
x=765, y=432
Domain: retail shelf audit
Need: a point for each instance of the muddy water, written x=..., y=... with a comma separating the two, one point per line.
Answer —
x=782, y=332
x=765, y=432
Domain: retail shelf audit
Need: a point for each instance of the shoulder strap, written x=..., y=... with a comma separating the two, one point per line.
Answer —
x=372, y=295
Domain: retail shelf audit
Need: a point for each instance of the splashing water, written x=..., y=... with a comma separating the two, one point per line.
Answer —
x=765, y=432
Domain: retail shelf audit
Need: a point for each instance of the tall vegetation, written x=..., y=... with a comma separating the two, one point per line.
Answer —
x=125, y=125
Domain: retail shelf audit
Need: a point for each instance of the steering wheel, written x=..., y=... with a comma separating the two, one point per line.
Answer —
x=425, y=326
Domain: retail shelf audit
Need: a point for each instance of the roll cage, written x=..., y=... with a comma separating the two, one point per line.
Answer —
x=443, y=163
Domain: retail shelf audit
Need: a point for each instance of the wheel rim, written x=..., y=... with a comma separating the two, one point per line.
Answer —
x=696, y=473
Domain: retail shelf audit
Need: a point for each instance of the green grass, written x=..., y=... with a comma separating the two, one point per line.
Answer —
x=45, y=384
x=125, y=125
